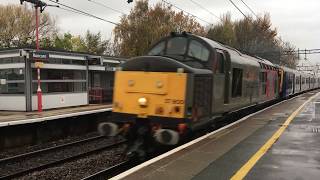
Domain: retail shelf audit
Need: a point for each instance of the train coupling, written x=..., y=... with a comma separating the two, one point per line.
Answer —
x=167, y=136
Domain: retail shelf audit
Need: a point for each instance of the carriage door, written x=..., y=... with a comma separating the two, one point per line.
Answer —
x=300, y=82
x=227, y=70
x=309, y=82
x=219, y=81
x=294, y=83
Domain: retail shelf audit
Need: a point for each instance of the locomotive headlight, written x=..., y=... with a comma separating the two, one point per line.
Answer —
x=143, y=101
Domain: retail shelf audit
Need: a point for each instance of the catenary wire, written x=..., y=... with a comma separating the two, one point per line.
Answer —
x=88, y=14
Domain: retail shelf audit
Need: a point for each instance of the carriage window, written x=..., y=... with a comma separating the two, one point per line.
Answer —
x=220, y=62
x=263, y=80
x=177, y=46
x=290, y=81
x=236, y=82
x=158, y=49
x=198, y=51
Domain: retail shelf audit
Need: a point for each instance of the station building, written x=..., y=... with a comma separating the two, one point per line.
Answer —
x=67, y=79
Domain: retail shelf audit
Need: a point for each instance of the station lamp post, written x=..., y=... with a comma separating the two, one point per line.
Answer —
x=38, y=5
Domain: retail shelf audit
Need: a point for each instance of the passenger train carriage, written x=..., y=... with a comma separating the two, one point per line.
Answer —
x=186, y=81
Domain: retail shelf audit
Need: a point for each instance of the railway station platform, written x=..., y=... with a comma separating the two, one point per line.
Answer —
x=10, y=118
x=279, y=142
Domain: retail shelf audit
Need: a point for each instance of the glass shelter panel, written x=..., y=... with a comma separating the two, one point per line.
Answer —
x=60, y=81
x=12, y=81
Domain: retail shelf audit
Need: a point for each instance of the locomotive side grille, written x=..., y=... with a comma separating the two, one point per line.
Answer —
x=202, y=95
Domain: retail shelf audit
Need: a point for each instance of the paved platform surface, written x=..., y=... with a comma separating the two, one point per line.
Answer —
x=295, y=154
x=8, y=118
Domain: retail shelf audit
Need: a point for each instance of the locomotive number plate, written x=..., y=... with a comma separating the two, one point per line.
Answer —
x=173, y=101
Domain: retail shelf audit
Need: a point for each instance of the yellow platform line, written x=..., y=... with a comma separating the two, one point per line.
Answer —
x=245, y=169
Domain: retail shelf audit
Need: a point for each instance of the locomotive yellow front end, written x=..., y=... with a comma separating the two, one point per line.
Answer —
x=150, y=94
x=149, y=105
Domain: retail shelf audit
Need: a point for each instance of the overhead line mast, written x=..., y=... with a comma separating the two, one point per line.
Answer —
x=38, y=5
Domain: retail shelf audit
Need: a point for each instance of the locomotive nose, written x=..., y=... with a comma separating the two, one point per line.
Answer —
x=150, y=94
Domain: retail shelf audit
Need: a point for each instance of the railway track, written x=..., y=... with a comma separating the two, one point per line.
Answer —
x=34, y=153
x=223, y=121
x=19, y=165
x=111, y=171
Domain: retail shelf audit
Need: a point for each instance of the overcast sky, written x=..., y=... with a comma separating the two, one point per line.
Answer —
x=296, y=21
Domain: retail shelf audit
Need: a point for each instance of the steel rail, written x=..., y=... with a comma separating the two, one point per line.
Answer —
x=46, y=150
x=60, y=161
x=111, y=171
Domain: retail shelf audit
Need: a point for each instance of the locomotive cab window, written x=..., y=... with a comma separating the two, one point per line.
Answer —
x=177, y=46
x=186, y=50
x=198, y=51
x=158, y=49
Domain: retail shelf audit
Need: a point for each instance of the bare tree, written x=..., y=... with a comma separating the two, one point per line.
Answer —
x=145, y=25
x=256, y=37
x=18, y=26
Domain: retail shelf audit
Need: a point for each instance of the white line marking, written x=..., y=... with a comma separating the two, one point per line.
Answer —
x=48, y=118
x=151, y=161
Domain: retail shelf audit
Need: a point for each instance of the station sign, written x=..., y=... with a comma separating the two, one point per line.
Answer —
x=111, y=68
x=39, y=55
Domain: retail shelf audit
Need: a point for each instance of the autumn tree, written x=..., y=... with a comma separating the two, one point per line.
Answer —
x=145, y=25
x=93, y=43
x=224, y=32
x=17, y=27
x=256, y=35
x=64, y=42
x=288, y=55
x=90, y=43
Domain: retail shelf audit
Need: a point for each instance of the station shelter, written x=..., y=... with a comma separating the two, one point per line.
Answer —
x=67, y=79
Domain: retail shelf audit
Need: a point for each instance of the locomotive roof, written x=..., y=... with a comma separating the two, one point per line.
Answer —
x=236, y=56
